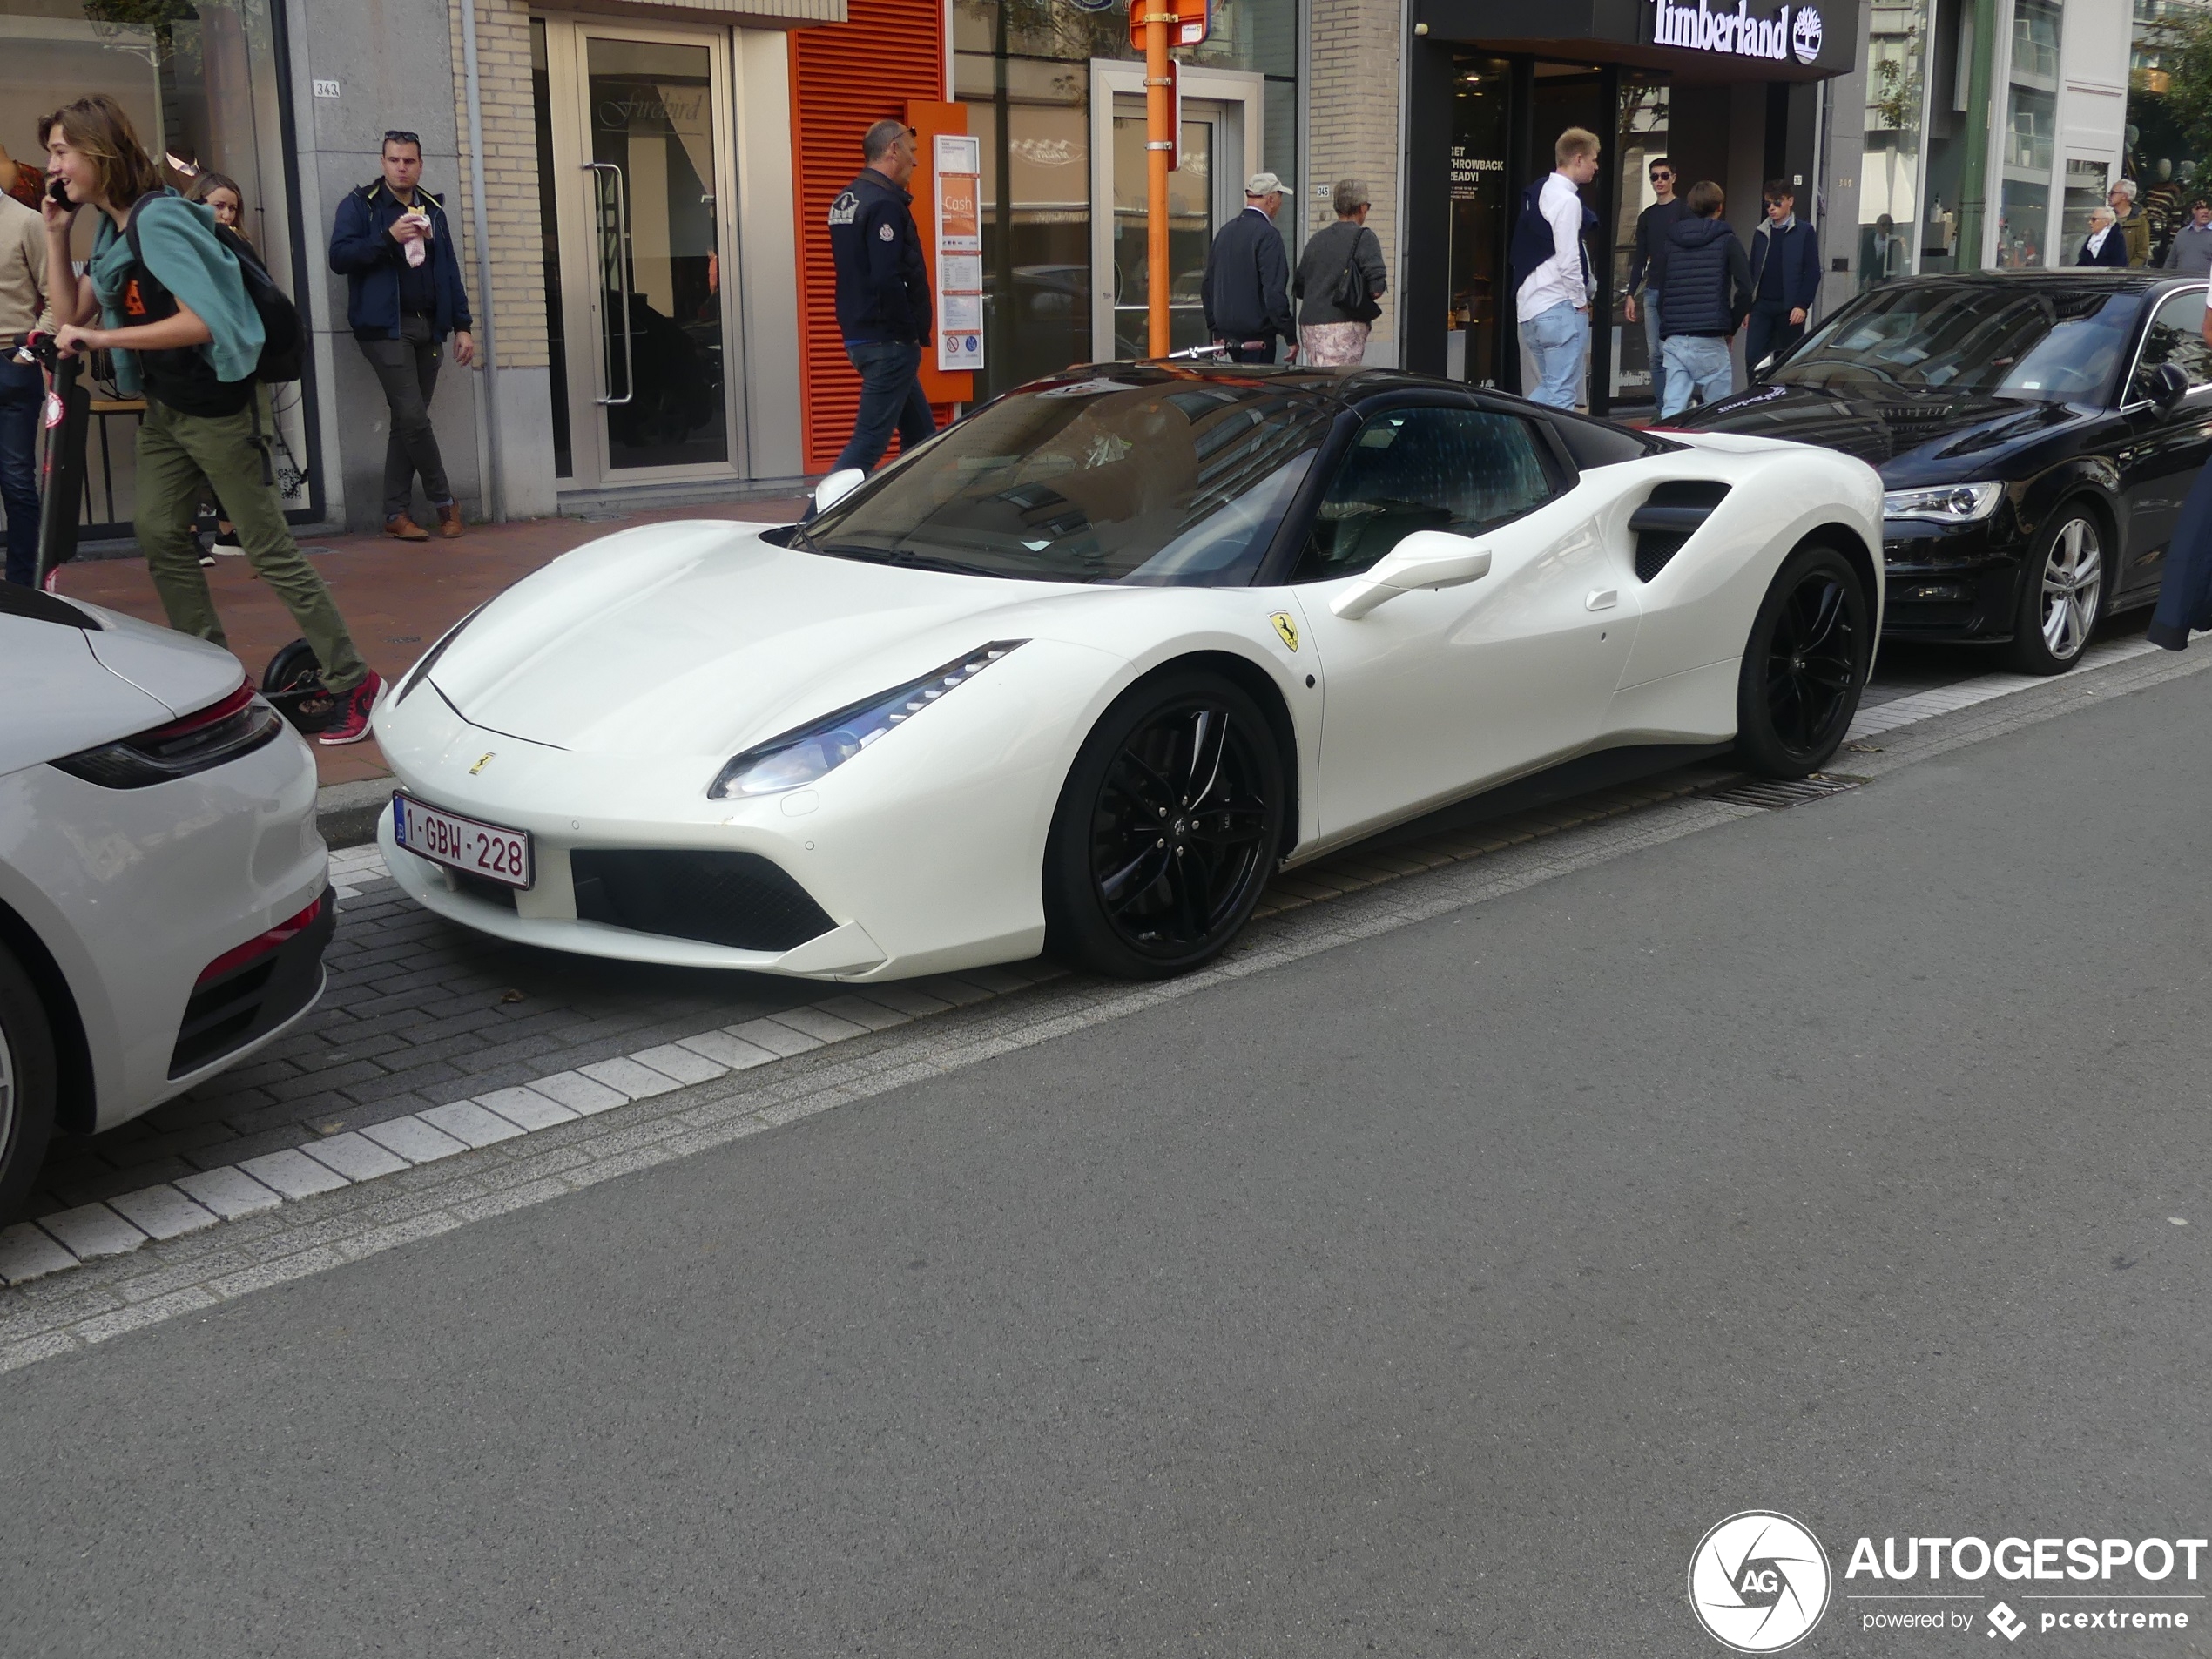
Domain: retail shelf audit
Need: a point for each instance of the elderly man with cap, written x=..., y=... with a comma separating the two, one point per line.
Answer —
x=1247, y=291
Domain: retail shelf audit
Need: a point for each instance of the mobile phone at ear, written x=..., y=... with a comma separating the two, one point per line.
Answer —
x=57, y=193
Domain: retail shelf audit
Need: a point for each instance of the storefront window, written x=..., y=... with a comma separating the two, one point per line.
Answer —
x=2088, y=183
x=201, y=83
x=1889, y=192
x=1022, y=68
x=2165, y=162
x=1641, y=138
x=2027, y=148
x=1481, y=98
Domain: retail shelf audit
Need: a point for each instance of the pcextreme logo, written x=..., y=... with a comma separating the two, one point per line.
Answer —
x=1758, y=1582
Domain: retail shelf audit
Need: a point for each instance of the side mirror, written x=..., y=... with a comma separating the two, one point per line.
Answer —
x=835, y=488
x=2168, y=385
x=1425, y=559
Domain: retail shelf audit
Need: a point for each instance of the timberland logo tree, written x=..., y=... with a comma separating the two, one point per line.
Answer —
x=1758, y=1582
x=1805, y=37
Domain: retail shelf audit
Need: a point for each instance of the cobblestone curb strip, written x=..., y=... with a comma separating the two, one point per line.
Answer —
x=152, y=1255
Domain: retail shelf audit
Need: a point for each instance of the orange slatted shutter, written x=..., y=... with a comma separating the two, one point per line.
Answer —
x=844, y=76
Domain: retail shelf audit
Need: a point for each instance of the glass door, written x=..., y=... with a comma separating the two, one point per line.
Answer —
x=633, y=164
x=1219, y=144
x=1192, y=220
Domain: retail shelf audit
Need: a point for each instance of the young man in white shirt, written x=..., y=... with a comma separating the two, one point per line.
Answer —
x=1554, y=285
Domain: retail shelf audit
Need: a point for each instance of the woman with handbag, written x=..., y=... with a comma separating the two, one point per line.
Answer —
x=1340, y=278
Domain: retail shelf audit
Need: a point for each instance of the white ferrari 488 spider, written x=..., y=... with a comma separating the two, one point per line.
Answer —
x=1082, y=671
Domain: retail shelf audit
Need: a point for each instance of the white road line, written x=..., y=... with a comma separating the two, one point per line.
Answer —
x=33, y=1250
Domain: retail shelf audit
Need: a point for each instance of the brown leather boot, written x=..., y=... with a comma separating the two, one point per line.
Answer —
x=405, y=528
x=449, y=520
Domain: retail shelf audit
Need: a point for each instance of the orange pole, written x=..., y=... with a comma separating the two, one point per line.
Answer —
x=1159, y=125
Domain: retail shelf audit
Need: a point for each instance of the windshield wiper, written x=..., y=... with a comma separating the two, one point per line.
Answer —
x=883, y=555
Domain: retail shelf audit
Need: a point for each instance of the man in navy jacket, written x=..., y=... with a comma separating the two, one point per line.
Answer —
x=1786, y=276
x=882, y=296
x=402, y=307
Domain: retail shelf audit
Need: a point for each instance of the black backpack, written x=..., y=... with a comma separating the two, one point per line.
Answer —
x=281, y=335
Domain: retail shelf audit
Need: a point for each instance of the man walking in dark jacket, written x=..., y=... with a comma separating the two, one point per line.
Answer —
x=403, y=296
x=1709, y=291
x=1648, y=268
x=1786, y=276
x=1247, y=289
x=883, y=309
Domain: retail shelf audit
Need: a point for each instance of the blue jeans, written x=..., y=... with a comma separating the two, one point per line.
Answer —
x=1649, y=305
x=23, y=392
x=1767, y=329
x=1559, y=343
x=890, y=397
x=1697, y=363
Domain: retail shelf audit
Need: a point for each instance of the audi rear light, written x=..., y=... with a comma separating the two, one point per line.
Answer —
x=206, y=738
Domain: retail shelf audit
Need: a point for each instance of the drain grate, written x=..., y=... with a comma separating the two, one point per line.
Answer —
x=1772, y=793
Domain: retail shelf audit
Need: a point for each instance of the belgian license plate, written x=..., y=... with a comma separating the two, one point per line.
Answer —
x=486, y=850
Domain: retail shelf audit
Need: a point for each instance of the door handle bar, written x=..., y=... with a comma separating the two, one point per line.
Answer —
x=622, y=263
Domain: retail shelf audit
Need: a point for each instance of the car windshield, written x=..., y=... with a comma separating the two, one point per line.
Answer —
x=2042, y=344
x=1145, y=475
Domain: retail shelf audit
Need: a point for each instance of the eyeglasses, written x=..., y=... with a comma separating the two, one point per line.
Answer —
x=1660, y=175
x=397, y=136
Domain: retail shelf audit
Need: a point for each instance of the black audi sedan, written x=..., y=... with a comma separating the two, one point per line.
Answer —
x=2036, y=430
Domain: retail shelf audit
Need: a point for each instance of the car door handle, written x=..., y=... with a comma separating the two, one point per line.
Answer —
x=1601, y=599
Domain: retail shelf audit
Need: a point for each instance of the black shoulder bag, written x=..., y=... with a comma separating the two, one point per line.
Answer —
x=1350, y=296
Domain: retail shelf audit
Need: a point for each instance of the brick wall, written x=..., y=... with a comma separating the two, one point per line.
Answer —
x=1352, y=128
x=510, y=178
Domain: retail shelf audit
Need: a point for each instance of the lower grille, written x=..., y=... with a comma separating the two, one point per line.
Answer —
x=229, y=1012
x=740, y=899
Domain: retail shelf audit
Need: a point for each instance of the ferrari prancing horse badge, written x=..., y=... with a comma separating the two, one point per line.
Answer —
x=1285, y=627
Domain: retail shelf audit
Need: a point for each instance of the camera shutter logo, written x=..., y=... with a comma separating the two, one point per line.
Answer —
x=1758, y=1582
x=1804, y=35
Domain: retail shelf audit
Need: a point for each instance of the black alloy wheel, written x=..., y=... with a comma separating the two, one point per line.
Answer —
x=1804, y=665
x=1167, y=829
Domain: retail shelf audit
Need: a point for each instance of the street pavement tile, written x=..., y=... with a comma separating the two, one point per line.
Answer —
x=997, y=981
x=93, y=1230
x=229, y=1193
x=162, y=1211
x=862, y=1011
x=526, y=1108
x=466, y=1121
x=413, y=1139
x=26, y=1253
x=956, y=993
x=816, y=1023
x=685, y=1065
x=578, y=1093
x=905, y=998
x=634, y=1080
x=295, y=1174
x=355, y=1156
x=734, y=1052
x=775, y=1036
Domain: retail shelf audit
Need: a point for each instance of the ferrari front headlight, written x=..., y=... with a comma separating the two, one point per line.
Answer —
x=1946, y=503
x=800, y=757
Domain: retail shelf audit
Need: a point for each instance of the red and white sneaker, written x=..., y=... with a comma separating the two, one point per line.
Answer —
x=352, y=724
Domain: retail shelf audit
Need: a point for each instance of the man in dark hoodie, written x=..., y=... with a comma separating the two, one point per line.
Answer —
x=1708, y=295
x=882, y=296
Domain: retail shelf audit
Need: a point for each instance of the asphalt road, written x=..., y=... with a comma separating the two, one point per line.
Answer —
x=1431, y=1295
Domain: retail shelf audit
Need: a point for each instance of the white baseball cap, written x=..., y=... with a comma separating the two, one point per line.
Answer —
x=1261, y=184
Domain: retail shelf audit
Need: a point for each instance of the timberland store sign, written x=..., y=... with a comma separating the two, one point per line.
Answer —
x=1790, y=32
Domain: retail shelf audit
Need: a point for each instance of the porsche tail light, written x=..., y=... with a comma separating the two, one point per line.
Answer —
x=799, y=756
x=262, y=944
x=222, y=732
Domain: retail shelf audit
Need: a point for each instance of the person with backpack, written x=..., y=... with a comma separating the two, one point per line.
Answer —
x=193, y=322
x=1340, y=279
x=1551, y=272
x=403, y=296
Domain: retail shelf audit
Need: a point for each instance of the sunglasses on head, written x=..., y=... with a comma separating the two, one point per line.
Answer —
x=397, y=136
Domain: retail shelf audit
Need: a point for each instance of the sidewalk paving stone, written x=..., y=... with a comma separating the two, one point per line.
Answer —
x=632, y=1079
x=466, y=1121
x=230, y=1193
x=354, y=1155
x=413, y=1140
x=162, y=1211
x=526, y=1108
x=295, y=1174
x=93, y=1230
x=27, y=1253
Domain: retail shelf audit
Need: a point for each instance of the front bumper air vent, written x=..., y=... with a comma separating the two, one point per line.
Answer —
x=740, y=899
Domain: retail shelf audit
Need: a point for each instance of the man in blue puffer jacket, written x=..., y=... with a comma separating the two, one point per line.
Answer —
x=1708, y=292
x=401, y=304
